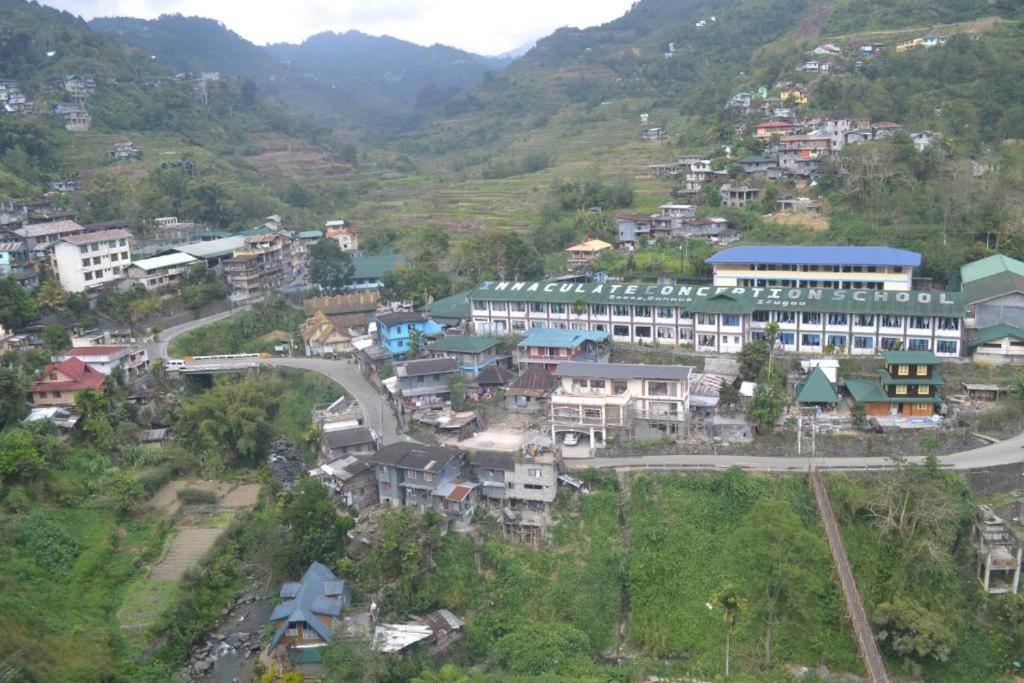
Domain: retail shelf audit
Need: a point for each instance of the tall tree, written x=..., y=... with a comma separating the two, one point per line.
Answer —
x=329, y=267
x=13, y=406
x=314, y=531
x=780, y=562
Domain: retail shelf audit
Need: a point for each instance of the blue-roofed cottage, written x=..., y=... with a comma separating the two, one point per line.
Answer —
x=309, y=609
x=547, y=348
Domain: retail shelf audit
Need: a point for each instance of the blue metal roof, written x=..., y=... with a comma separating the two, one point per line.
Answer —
x=311, y=599
x=561, y=339
x=825, y=256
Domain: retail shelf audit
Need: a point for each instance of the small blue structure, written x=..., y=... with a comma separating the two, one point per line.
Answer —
x=395, y=330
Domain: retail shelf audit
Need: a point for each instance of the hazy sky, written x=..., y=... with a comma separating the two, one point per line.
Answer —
x=483, y=26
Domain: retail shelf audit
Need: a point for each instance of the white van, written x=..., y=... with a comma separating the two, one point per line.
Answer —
x=174, y=364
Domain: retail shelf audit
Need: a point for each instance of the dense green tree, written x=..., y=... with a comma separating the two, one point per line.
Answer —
x=769, y=400
x=912, y=630
x=56, y=338
x=314, y=531
x=534, y=648
x=19, y=457
x=234, y=418
x=417, y=283
x=779, y=560
x=13, y=405
x=17, y=308
x=329, y=267
x=752, y=359
x=201, y=286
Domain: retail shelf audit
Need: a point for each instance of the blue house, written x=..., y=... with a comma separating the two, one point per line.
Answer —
x=395, y=330
x=310, y=609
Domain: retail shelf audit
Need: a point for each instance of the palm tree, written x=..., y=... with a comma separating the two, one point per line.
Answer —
x=50, y=296
x=732, y=605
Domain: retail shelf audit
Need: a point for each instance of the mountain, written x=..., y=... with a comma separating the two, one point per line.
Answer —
x=517, y=52
x=351, y=78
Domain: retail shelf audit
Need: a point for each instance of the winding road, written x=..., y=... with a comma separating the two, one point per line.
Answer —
x=381, y=419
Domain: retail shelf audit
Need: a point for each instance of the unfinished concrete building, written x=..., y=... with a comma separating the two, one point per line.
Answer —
x=999, y=553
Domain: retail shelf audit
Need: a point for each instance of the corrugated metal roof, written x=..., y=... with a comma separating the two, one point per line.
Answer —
x=623, y=371
x=165, y=261
x=428, y=366
x=101, y=236
x=710, y=299
x=560, y=339
x=463, y=344
x=454, y=307
x=910, y=358
x=995, y=332
x=815, y=388
x=866, y=391
x=375, y=267
x=990, y=265
x=817, y=255
x=993, y=286
x=49, y=228
x=213, y=248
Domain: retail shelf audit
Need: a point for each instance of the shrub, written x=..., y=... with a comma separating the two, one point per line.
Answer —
x=17, y=500
x=44, y=540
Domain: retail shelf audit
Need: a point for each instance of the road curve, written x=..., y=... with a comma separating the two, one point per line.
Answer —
x=381, y=419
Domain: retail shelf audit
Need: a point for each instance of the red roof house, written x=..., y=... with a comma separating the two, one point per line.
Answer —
x=61, y=381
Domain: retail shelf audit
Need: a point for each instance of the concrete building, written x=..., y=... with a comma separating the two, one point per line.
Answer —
x=546, y=348
x=396, y=329
x=346, y=236
x=797, y=266
x=472, y=353
x=600, y=400
x=998, y=552
x=160, y=271
x=425, y=382
x=722, y=318
x=425, y=478
x=738, y=196
x=86, y=261
x=133, y=359
x=38, y=238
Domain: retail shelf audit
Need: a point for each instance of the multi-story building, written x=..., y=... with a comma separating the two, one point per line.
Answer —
x=614, y=399
x=261, y=266
x=425, y=478
x=836, y=267
x=160, y=271
x=396, y=329
x=515, y=480
x=426, y=381
x=472, y=353
x=722, y=318
x=738, y=196
x=346, y=236
x=133, y=359
x=38, y=238
x=90, y=260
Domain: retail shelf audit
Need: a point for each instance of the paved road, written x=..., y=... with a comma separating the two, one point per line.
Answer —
x=379, y=416
x=1006, y=452
x=158, y=349
x=381, y=419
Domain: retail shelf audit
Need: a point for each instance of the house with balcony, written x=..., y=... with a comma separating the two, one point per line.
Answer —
x=425, y=382
x=632, y=227
x=425, y=478
x=621, y=400
x=472, y=353
x=738, y=196
x=546, y=348
x=768, y=129
x=160, y=271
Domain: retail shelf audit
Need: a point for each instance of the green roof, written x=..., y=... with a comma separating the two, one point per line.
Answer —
x=816, y=388
x=996, y=332
x=910, y=358
x=710, y=299
x=463, y=344
x=309, y=234
x=866, y=391
x=755, y=159
x=992, y=286
x=375, y=267
x=935, y=380
x=991, y=265
x=455, y=306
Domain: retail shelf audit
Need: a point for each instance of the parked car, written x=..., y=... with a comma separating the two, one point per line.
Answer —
x=571, y=438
